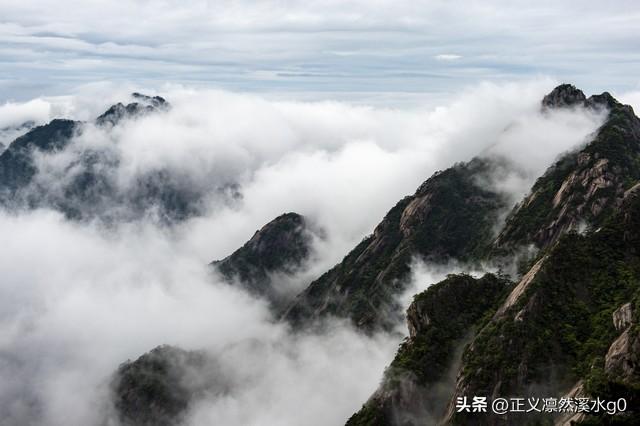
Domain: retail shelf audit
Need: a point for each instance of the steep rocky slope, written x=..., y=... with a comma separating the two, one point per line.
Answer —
x=569, y=326
x=418, y=384
x=583, y=187
x=449, y=217
x=279, y=248
x=559, y=330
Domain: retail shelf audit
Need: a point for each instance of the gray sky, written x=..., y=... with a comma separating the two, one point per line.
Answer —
x=320, y=49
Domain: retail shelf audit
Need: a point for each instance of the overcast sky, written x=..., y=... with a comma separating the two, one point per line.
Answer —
x=326, y=49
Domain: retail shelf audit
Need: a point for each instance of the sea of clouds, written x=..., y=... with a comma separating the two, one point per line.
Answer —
x=77, y=298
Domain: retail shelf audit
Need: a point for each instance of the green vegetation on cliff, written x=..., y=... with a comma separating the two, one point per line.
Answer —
x=440, y=319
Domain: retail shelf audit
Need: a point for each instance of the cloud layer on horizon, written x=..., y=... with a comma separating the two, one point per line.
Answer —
x=333, y=48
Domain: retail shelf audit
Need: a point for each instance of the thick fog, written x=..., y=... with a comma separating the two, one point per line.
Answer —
x=77, y=298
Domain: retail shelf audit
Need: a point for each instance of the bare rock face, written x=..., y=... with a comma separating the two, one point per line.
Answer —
x=417, y=319
x=623, y=358
x=623, y=316
x=570, y=419
x=519, y=290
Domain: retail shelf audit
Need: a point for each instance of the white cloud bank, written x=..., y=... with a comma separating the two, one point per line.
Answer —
x=78, y=299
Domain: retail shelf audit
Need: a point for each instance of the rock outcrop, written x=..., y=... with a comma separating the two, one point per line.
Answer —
x=558, y=331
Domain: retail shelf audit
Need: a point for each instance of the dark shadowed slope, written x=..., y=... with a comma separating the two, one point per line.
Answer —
x=280, y=248
x=157, y=388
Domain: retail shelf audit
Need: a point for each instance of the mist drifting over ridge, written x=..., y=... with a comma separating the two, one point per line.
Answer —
x=81, y=297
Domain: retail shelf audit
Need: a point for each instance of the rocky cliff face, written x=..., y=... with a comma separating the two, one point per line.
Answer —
x=449, y=217
x=417, y=385
x=279, y=248
x=558, y=330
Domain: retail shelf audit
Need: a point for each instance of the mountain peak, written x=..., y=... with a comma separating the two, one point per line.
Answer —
x=603, y=100
x=143, y=105
x=282, y=246
x=564, y=95
x=156, y=101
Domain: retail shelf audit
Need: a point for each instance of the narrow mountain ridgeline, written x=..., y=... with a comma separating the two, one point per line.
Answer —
x=279, y=248
x=568, y=327
x=584, y=187
x=449, y=217
x=143, y=105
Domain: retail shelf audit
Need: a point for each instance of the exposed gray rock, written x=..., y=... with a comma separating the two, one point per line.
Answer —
x=623, y=357
x=623, y=316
